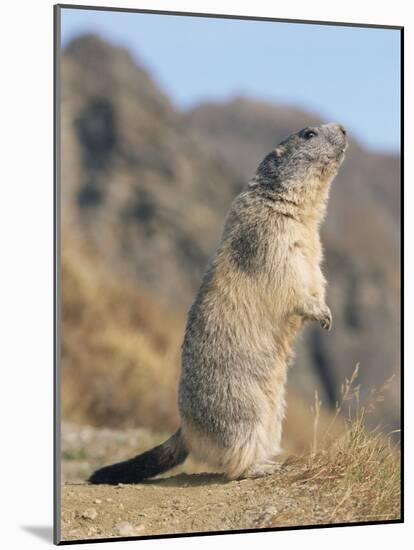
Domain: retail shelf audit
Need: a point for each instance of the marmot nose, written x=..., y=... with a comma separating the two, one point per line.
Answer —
x=339, y=127
x=336, y=128
x=336, y=134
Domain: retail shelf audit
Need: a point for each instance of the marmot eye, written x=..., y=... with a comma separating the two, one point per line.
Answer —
x=309, y=134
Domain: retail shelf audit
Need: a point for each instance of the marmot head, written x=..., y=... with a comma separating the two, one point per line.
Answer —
x=304, y=163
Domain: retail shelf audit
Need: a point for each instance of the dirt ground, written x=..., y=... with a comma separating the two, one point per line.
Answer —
x=186, y=500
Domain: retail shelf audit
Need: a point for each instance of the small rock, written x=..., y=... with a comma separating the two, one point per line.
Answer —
x=97, y=501
x=90, y=513
x=108, y=499
x=125, y=529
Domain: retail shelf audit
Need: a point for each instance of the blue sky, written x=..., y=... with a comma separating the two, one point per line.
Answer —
x=345, y=74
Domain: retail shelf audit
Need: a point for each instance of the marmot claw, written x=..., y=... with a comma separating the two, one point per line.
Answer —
x=326, y=321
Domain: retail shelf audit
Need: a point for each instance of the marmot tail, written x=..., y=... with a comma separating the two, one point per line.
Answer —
x=149, y=464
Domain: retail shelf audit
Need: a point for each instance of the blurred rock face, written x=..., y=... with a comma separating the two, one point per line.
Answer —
x=148, y=188
x=134, y=180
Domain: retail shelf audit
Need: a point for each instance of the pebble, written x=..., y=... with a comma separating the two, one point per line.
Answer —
x=125, y=529
x=97, y=501
x=90, y=513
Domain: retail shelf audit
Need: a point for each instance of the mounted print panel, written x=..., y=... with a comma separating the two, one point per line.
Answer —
x=228, y=238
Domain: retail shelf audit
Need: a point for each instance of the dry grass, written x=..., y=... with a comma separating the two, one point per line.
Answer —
x=358, y=472
x=120, y=350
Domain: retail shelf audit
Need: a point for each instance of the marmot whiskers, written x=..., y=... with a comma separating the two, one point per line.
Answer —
x=263, y=282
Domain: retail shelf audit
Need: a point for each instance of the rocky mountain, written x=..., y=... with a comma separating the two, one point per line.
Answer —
x=135, y=182
x=147, y=187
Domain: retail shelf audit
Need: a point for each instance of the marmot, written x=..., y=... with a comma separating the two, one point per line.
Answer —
x=262, y=283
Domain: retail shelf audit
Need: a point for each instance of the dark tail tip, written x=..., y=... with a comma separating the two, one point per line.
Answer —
x=116, y=473
x=103, y=475
x=149, y=464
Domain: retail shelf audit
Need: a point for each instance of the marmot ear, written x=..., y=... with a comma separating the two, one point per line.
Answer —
x=279, y=151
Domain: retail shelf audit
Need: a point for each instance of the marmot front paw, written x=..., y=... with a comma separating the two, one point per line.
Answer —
x=326, y=320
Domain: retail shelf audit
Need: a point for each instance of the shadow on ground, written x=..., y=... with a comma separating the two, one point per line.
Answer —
x=183, y=480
